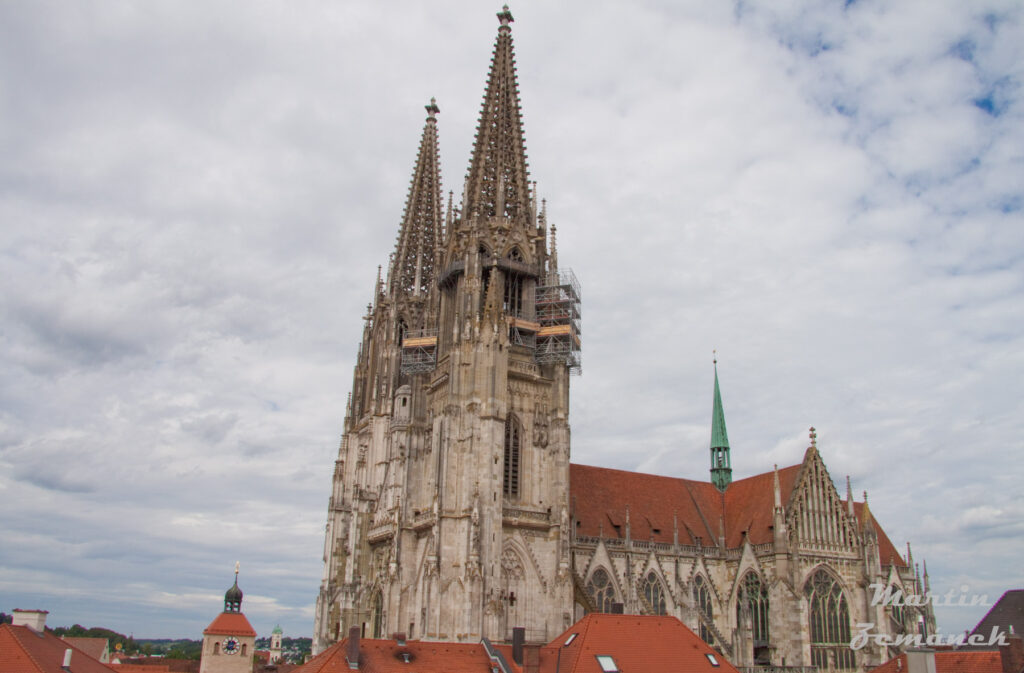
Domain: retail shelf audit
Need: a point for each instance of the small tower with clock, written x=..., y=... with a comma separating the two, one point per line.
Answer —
x=229, y=640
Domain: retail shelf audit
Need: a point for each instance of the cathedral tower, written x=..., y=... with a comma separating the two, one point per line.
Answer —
x=449, y=516
x=721, y=467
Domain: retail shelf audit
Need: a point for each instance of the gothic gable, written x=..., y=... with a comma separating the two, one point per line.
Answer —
x=817, y=519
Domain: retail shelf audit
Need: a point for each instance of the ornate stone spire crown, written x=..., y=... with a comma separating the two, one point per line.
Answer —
x=498, y=181
x=413, y=268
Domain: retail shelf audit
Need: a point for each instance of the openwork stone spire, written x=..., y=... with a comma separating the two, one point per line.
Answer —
x=498, y=182
x=414, y=265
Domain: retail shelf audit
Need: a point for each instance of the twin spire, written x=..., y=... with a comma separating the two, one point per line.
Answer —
x=497, y=182
x=413, y=268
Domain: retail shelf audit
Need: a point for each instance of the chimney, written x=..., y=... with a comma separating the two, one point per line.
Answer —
x=518, y=638
x=67, y=660
x=352, y=648
x=33, y=619
x=921, y=661
x=1012, y=653
x=399, y=639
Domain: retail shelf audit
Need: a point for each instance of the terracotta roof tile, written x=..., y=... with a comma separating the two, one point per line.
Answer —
x=951, y=661
x=230, y=624
x=383, y=656
x=94, y=647
x=23, y=650
x=635, y=642
x=601, y=495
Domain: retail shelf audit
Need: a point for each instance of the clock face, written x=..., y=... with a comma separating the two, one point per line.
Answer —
x=231, y=645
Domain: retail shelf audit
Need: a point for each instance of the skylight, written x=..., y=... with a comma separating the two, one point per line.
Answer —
x=711, y=658
x=607, y=664
x=570, y=639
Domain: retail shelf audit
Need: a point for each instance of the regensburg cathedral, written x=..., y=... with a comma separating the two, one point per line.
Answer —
x=455, y=512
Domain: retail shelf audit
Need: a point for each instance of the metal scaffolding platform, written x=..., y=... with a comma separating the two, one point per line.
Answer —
x=419, y=351
x=557, y=303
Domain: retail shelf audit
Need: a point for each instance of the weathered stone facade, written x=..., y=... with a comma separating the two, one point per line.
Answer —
x=455, y=513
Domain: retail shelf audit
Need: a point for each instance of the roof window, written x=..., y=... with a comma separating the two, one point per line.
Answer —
x=570, y=639
x=712, y=659
x=606, y=663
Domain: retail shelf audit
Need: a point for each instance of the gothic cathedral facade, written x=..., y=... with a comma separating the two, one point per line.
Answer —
x=455, y=513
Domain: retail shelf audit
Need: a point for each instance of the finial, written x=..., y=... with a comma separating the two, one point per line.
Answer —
x=432, y=110
x=237, y=564
x=814, y=437
x=714, y=357
x=505, y=17
x=865, y=497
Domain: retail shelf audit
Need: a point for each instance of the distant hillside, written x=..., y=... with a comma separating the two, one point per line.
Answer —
x=294, y=650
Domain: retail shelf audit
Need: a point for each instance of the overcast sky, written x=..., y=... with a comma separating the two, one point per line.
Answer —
x=194, y=199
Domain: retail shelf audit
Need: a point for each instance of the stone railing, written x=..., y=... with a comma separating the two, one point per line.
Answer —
x=524, y=517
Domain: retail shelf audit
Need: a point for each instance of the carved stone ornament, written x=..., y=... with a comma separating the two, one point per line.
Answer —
x=540, y=427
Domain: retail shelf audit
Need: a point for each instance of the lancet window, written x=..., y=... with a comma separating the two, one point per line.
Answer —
x=654, y=593
x=753, y=596
x=601, y=590
x=513, y=300
x=511, y=471
x=702, y=599
x=378, y=615
x=830, y=622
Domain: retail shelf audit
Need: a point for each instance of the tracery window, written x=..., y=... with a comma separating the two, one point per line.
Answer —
x=513, y=299
x=754, y=596
x=601, y=590
x=702, y=599
x=654, y=593
x=830, y=622
x=510, y=484
x=897, y=609
x=378, y=615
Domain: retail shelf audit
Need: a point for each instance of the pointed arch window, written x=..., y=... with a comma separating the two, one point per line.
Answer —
x=601, y=590
x=753, y=595
x=896, y=610
x=829, y=622
x=702, y=599
x=513, y=299
x=378, y=615
x=510, y=481
x=654, y=593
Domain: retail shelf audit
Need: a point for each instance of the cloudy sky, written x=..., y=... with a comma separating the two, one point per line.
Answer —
x=194, y=199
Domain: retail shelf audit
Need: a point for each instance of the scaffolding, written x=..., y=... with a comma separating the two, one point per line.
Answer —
x=557, y=303
x=419, y=351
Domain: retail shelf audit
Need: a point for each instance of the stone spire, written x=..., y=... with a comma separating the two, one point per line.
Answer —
x=413, y=269
x=721, y=469
x=498, y=182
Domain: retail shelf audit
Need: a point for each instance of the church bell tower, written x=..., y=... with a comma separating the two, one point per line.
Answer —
x=449, y=516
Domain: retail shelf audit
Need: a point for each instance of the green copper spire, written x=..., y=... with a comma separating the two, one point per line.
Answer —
x=721, y=469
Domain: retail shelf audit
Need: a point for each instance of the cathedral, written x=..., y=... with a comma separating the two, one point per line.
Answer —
x=455, y=512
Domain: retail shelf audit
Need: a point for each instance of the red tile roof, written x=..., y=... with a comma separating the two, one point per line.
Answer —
x=94, y=647
x=23, y=650
x=951, y=661
x=383, y=656
x=601, y=495
x=635, y=642
x=230, y=624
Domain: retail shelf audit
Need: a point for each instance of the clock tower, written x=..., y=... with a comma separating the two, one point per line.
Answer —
x=229, y=640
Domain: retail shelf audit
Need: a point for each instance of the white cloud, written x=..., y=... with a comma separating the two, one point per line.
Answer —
x=195, y=203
